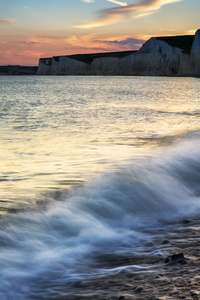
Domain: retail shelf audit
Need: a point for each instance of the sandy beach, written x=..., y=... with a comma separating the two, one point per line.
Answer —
x=148, y=276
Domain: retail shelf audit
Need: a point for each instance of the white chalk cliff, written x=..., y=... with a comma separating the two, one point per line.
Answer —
x=158, y=56
x=195, y=54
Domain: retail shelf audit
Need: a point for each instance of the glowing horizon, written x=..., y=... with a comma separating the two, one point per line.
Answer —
x=34, y=29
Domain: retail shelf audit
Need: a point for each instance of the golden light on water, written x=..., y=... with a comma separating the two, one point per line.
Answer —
x=58, y=132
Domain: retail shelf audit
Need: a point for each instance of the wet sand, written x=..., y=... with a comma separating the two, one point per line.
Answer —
x=146, y=275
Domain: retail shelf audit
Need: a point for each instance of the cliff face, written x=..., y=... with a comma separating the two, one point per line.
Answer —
x=67, y=66
x=63, y=65
x=195, y=55
x=158, y=56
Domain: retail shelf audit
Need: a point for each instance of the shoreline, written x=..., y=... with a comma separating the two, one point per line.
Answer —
x=51, y=75
x=145, y=276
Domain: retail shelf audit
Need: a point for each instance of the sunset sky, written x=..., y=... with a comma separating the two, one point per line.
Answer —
x=30, y=29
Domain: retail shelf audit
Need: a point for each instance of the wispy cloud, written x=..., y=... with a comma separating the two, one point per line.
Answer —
x=124, y=43
x=127, y=12
x=88, y=1
x=93, y=42
x=118, y=2
x=41, y=40
x=6, y=21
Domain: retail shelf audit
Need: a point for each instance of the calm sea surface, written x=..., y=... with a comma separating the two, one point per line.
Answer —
x=83, y=161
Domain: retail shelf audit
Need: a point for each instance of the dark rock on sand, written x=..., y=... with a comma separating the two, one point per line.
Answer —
x=176, y=258
x=122, y=298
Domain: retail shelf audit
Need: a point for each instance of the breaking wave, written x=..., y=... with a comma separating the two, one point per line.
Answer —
x=55, y=245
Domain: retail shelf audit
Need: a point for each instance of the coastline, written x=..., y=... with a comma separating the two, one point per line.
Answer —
x=34, y=73
x=174, y=55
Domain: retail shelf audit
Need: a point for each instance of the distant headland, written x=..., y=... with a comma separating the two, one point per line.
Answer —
x=170, y=56
x=18, y=70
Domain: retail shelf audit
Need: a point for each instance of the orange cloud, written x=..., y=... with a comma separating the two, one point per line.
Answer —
x=40, y=40
x=127, y=12
x=191, y=32
x=20, y=56
x=96, y=43
x=7, y=21
x=28, y=50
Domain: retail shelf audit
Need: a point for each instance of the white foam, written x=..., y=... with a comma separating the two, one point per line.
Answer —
x=106, y=215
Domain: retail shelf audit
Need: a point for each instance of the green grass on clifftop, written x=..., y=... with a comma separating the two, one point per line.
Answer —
x=88, y=58
x=183, y=42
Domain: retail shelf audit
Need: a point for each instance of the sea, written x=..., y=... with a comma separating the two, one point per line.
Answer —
x=92, y=167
